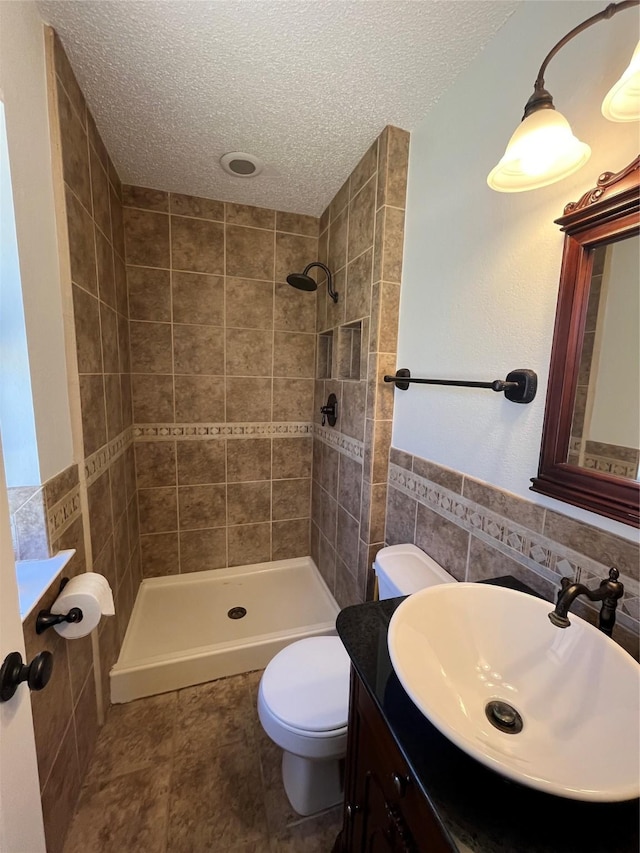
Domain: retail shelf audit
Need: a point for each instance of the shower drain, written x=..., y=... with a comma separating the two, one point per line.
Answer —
x=237, y=612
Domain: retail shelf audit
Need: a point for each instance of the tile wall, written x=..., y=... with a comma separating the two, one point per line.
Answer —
x=91, y=506
x=222, y=362
x=100, y=330
x=361, y=241
x=476, y=530
x=223, y=359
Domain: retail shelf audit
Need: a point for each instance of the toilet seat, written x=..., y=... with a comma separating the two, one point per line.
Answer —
x=303, y=699
x=305, y=687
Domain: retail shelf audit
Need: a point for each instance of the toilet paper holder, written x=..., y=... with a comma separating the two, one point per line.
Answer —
x=45, y=619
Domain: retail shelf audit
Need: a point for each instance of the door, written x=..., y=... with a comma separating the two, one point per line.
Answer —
x=21, y=826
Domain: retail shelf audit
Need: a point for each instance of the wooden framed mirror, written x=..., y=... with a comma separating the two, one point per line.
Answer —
x=590, y=452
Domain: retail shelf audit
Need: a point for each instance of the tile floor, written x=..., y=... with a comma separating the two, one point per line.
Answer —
x=192, y=772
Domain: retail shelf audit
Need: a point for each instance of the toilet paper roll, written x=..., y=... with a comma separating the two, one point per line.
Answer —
x=92, y=594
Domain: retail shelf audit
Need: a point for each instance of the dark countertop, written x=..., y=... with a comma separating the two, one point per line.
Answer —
x=480, y=810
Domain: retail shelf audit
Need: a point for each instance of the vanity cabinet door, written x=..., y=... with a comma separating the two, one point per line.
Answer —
x=384, y=829
x=384, y=810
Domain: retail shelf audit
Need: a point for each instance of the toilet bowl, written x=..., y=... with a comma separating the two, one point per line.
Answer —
x=303, y=702
x=303, y=698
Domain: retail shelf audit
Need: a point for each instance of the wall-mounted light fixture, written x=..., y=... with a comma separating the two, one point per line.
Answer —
x=543, y=148
x=622, y=102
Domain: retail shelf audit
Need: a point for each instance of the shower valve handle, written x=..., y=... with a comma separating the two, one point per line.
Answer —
x=330, y=410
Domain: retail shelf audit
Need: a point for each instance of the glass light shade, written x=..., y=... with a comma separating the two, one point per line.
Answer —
x=542, y=150
x=622, y=102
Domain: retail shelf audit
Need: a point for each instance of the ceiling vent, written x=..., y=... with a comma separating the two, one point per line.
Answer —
x=241, y=165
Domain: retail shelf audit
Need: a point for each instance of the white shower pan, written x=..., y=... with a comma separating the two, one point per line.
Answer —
x=181, y=631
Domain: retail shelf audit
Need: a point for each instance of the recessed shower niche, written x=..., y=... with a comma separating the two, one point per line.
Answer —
x=349, y=351
x=340, y=359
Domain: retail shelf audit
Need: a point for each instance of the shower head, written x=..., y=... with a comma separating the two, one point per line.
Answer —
x=303, y=281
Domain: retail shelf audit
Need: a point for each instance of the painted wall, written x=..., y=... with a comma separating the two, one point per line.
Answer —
x=481, y=268
x=23, y=90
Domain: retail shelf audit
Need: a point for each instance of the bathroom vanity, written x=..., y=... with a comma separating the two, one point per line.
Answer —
x=408, y=788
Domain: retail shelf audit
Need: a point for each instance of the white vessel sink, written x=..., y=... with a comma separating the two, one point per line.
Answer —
x=458, y=647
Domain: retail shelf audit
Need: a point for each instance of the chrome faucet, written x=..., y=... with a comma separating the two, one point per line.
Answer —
x=609, y=591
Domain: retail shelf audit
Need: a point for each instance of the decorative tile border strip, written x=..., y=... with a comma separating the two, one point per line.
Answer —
x=62, y=514
x=547, y=558
x=610, y=466
x=351, y=447
x=98, y=462
x=169, y=432
x=603, y=461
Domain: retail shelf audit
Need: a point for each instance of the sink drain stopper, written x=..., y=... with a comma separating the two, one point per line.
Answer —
x=504, y=717
x=237, y=612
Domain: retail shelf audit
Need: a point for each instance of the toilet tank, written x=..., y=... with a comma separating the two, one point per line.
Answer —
x=405, y=569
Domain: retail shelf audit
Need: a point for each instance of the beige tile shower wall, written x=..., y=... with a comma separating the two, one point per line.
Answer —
x=223, y=365
x=361, y=241
x=99, y=339
x=477, y=531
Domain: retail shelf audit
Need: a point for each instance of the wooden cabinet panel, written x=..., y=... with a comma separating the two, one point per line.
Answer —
x=385, y=811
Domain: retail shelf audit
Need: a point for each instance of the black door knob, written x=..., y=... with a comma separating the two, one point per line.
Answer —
x=14, y=672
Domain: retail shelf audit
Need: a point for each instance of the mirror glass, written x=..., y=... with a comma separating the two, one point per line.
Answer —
x=605, y=428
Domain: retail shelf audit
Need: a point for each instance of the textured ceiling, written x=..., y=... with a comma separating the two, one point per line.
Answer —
x=305, y=85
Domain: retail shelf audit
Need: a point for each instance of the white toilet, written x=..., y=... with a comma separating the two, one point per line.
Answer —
x=303, y=699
